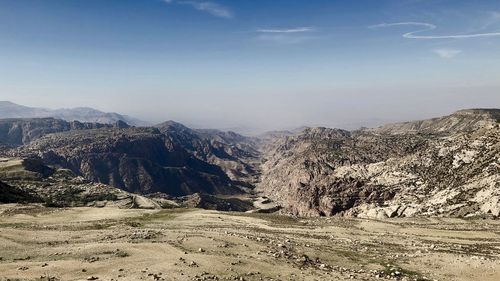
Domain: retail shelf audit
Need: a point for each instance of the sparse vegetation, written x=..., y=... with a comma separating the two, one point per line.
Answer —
x=82, y=242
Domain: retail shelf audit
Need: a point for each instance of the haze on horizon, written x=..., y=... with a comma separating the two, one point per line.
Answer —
x=258, y=64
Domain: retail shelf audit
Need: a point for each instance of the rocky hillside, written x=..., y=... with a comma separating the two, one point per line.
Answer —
x=172, y=158
x=31, y=181
x=235, y=154
x=140, y=160
x=444, y=166
x=467, y=120
x=447, y=166
x=22, y=131
x=10, y=194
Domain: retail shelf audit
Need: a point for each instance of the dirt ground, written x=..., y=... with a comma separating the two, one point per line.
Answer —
x=38, y=243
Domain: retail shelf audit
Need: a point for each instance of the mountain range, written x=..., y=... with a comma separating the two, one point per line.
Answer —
x=446, y=166
x=83, y=114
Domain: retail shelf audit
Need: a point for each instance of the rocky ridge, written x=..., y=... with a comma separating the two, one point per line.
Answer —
x=17, y=132
x=82, y=114
x=235, y=154
x=448, y=166
x=139, y=160
x=31, y=181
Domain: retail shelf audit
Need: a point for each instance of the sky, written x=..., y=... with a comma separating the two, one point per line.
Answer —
x=254, y=64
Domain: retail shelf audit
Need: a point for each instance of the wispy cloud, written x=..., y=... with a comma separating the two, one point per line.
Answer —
x=283, y=39
x=212, y=8
x=289, y=30
x=285, y=36
x=447, y=53
x=429, y=27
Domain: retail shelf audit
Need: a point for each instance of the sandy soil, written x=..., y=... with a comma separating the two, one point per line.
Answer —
x=38, y=243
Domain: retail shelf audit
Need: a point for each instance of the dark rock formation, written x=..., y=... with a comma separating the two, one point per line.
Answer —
x=23, y=131
x=138, y=160
x=9, y=194
x=211, y=202
x=236, y=155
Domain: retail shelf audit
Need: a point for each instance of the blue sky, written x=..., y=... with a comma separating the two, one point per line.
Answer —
x=256, y=63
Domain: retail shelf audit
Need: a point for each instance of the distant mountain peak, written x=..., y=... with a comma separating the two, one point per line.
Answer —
x=171, y=124
x=2, y=102
x=9, y=109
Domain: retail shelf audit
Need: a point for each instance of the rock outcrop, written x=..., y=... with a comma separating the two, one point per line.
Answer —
x=445, y=166
x=139, y=160
x=10, y=194
x=31, y=181
x=235, y=154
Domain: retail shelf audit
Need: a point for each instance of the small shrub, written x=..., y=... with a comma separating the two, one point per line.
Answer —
x=121, y=254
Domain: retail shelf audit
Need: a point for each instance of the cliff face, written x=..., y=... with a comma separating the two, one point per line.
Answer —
x=138, y=160
x=142, y=160
x=444, y=166
x=236, y=155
